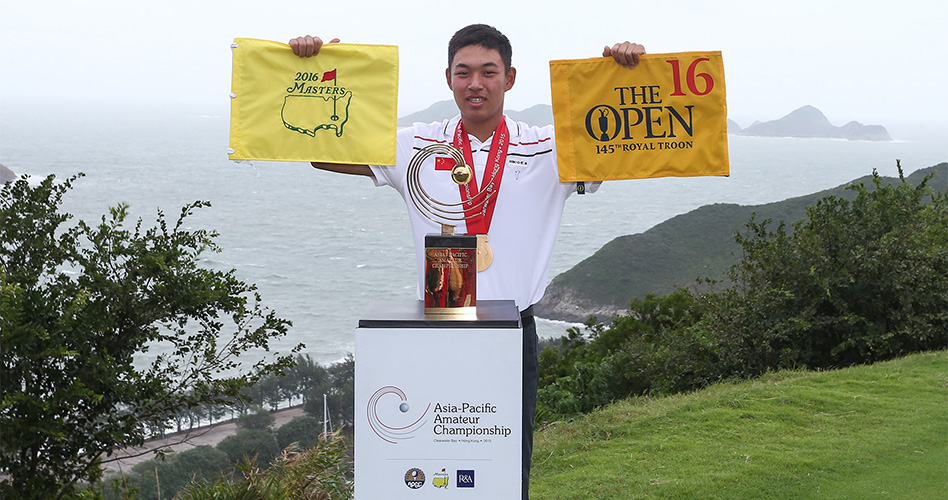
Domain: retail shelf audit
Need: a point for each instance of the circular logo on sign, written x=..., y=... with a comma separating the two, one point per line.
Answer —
x=414, y=478
x=396, y=429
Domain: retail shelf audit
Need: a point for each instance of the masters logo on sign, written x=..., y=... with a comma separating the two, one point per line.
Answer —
x=337, y=107
x=667, y=117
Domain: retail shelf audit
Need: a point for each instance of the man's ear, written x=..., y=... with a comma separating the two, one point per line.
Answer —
x=511, y=77
x=447, y=76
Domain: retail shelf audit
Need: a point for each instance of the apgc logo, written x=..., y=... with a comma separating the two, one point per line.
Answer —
x=414, y=478
x=391, y=404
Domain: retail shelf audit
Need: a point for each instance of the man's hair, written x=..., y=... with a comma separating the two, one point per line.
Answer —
x=483, y=35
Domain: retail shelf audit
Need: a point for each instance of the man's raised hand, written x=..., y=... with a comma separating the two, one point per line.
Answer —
x=625, y=53
x=308, y=46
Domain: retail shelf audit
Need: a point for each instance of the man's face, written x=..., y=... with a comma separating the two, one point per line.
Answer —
x=479, y=80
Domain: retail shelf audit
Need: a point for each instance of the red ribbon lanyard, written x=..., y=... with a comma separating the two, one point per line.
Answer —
x=479, y=218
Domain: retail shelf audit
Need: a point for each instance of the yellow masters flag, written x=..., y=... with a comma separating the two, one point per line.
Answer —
x=338, y=107
x=665, y=118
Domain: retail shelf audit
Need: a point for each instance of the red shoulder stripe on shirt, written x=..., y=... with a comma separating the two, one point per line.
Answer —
x=545, y=139
x=429, y=140
x=530, y=143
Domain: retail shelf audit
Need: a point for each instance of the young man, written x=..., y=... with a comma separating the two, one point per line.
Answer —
x=515, y=161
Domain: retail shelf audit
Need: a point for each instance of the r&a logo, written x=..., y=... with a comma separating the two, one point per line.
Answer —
x=465, y=479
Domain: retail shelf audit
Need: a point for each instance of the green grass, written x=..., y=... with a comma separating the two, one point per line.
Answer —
x=875, y=431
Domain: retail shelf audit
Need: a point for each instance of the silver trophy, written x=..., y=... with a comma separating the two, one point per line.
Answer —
x=452, y=261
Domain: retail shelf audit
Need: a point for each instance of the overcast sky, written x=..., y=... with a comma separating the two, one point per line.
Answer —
x=874, y=61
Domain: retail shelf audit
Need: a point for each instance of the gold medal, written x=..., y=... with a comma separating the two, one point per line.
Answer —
x=461, y=174
x=484, y=253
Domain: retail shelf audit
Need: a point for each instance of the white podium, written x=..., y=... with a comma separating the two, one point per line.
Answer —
x=438, y=403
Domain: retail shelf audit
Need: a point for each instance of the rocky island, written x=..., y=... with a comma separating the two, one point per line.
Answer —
x=6, y=175
x=811, y=122
x=804, y=122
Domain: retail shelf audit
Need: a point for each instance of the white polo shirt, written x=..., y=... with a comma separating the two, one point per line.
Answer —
x=528, y=209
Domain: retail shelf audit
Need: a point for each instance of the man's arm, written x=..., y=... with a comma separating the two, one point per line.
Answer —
x=344, y=168
x=308, y=46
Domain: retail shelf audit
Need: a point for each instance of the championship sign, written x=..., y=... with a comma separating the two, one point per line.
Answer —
x=665, y=118
x=339, y=106
x=438, y=403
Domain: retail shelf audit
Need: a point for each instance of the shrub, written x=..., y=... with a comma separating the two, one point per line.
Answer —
x=176, y=471
x=319, y=473
x=304, y=431
x=857, y=281
x=258, y=444
x=257, y=419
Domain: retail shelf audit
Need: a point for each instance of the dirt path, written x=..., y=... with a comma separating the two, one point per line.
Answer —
x=186, y=440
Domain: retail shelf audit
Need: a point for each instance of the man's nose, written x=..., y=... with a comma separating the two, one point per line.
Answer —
x=475, y=83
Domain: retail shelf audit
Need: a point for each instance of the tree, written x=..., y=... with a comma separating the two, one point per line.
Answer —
x=78, y=303
x=307, y=374
x=339, y=389
x=267, y=392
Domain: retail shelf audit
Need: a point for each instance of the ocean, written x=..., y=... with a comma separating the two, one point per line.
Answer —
x=321, y=247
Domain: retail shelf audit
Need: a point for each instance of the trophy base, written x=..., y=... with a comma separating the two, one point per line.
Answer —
x=452, y=313
x=451, y=276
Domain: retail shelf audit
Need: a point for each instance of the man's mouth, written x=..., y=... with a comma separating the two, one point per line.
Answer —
x=475, y=100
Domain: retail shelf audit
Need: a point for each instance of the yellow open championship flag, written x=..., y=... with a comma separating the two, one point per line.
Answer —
x=665, y=118
x=339, y=106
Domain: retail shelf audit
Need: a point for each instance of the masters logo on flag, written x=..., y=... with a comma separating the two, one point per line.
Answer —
x=666, y=117
x=337, y=107
x=308, y=108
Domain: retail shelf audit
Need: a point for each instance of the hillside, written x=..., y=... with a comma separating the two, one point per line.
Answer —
x=874, y=431
x=699, y=244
